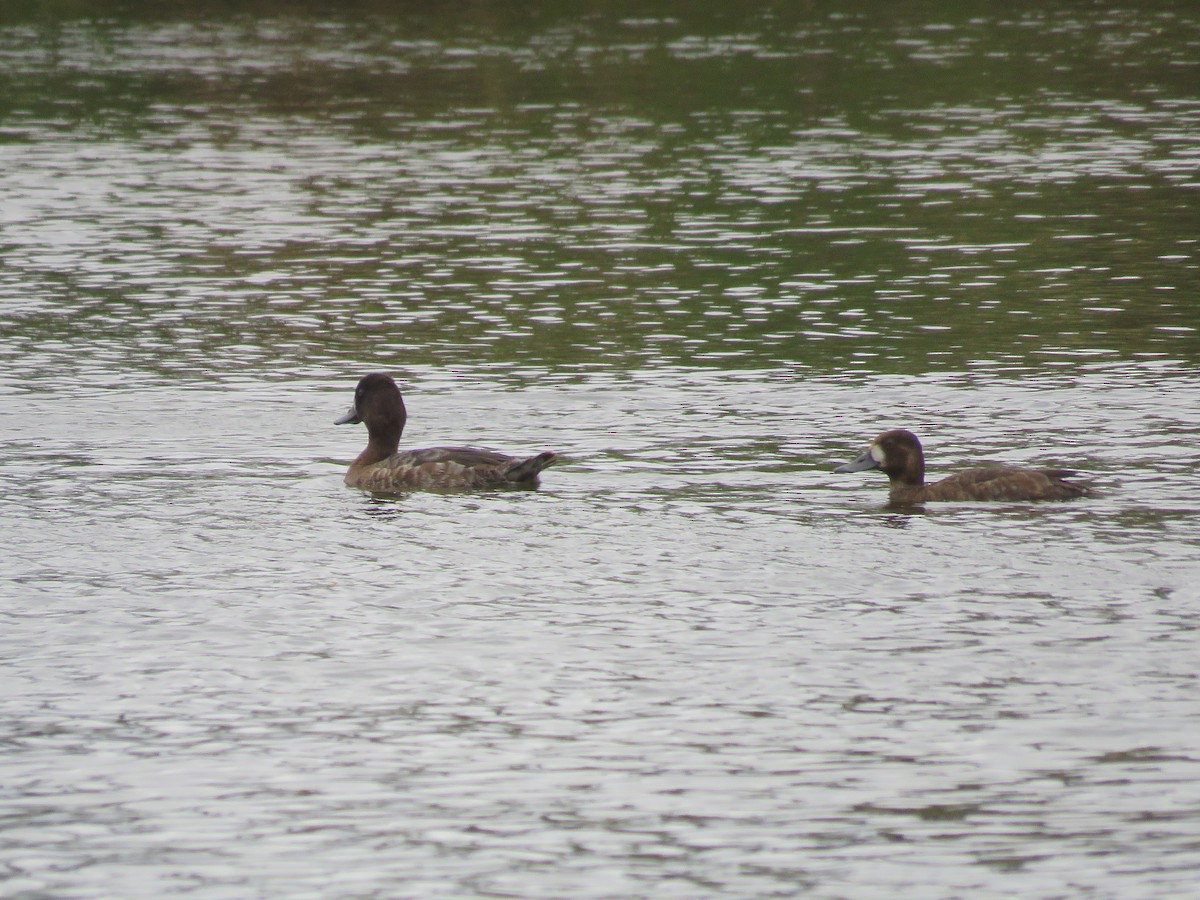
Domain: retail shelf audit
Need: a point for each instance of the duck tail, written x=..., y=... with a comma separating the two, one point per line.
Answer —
x=1069, y=488
x=1079, y=490
x=527, y=469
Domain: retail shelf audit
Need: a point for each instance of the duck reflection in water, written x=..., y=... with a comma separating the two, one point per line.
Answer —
x=898, y=455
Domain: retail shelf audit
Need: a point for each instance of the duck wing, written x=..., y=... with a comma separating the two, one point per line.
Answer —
x=511, y=467
x=467, y=457
x=1006, y=483
x=450, y=468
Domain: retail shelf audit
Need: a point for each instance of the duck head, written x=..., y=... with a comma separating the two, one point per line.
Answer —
x=896, y=453
x=377, y=402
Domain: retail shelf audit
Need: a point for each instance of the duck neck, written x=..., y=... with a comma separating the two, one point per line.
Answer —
x=382, y=442
x=911, y=475
x=904, y=494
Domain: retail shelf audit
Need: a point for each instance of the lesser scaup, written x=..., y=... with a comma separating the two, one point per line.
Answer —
x=381, y=467
x=898, y=455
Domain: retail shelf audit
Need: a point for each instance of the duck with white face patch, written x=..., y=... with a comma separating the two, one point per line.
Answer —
x=898, y=454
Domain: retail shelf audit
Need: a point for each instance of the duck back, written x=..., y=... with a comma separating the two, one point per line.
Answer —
x=997, y=483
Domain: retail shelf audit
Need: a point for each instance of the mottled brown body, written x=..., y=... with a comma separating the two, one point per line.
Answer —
x=447, y=468
x=383, y=468
x=898, y=454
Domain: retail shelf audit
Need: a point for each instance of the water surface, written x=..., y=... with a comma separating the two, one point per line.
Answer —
x=705, y=256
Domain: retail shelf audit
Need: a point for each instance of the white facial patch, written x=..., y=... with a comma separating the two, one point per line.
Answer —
x=877, y=454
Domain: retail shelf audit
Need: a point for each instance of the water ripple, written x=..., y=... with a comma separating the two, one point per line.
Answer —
x=706, y=257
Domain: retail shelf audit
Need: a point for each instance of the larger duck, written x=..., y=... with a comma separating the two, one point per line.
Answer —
x=384, y=468
x=898, y=455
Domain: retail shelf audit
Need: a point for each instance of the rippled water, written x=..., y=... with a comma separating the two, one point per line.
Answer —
x=705, y=256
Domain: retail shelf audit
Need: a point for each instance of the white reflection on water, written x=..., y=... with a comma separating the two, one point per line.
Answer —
x=695, y=656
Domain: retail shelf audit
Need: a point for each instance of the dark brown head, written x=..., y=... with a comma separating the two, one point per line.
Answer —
x=896, y=453
x=377, y=403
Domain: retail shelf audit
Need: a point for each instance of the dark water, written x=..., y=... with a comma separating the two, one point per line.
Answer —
x=706, y=255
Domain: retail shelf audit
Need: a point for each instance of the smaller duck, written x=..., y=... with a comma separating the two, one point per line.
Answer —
x=898, y=455
x=382, y=467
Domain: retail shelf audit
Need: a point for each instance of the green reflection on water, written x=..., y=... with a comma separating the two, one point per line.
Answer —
x=897, y=189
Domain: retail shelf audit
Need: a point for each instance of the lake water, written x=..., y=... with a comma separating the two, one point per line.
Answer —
x=706, y=256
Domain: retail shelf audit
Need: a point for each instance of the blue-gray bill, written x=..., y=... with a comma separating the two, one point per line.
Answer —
x=860, y=464
x=350, y=418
